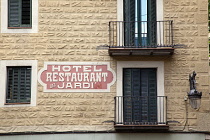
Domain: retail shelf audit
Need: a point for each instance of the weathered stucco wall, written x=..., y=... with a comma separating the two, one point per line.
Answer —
x=190, y=29
x=71, y=30
x=68, y=31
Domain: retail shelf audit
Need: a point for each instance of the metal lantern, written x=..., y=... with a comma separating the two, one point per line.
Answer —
x=194, y=96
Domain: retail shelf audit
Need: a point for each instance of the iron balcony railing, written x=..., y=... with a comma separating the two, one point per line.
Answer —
x=140, y=110
x=140, y=34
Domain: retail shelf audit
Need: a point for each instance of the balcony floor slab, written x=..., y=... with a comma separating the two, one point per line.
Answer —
x=116, y=51
x=142, y=128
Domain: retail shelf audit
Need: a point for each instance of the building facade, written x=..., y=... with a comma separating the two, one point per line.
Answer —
x=98, y=69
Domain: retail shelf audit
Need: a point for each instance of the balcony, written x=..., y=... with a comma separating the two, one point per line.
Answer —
x=141, y=38
x=140, y=113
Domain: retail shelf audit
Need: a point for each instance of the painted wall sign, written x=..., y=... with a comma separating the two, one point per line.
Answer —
x=76, y=77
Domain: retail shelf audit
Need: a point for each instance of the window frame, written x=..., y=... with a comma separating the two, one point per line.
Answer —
x=3, y=83
x=12, y=83
x=159, y=10
x=20, y=17
x=4, y=19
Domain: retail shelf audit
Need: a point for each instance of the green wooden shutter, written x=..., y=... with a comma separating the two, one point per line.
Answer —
x=152, y=24
x=18, y=85
x=136, y=102
x=12, y=86
x=25, y=84
x=152, y=82
x=149, y=95
x=129, y=22
x=14, y=13
x=144, y=95
x=127, y=96
x=139, y=39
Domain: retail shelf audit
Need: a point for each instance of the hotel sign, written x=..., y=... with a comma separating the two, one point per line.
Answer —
x=76, y=77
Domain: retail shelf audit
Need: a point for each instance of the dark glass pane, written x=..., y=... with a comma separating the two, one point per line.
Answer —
x=26, y=12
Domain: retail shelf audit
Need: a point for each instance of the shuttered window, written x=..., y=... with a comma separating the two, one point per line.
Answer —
x=18, y=85
x=129, y=25
x=140, y=22
x=19, y=13
x=140, y=95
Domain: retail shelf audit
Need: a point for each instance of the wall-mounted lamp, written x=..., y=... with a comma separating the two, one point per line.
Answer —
x=194, y=96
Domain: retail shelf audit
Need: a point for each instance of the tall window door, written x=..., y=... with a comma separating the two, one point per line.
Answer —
x=140, y=95
x=139, y=23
